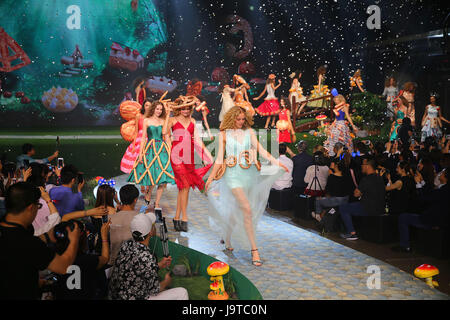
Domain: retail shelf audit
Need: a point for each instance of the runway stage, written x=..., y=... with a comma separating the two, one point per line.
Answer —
x=298, y=264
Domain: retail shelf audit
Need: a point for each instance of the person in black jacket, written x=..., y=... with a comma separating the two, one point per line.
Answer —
x=436, y=213
x=301, y=162
x=372, y=194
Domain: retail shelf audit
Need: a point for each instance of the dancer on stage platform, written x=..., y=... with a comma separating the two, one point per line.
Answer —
x=391, y=93
x=153, y=167
x=185, y=140
x=133, y=150
x=227, y=101
x=432, y=120
x=409, y=91
x=339, y=130
x=270, y=107
x=284, y=124
x=356, y=81
x=238, y=188
x=296, y=93
x=320, y=90
x=400, y=113
x=240, y=95
x=139, y=89
x=200, y=115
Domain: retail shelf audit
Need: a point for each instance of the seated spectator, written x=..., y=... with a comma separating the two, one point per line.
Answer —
x=444, y=162
x=105, y=198
x=402, y=193
x=285, y=181
x=372, y=194
x=135, y=272
x=436, y=213
x=22, y=254
x=28, y=152
x=338, y=150
x=425, y=175
x=319, y=170
x=121, y=221
x=64, y=199
x=90, y=267
x=301, y=162
x=338, y=189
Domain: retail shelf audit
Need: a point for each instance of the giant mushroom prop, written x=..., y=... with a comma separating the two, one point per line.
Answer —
x=427, y=272
x=321, y=118
x=216, y=270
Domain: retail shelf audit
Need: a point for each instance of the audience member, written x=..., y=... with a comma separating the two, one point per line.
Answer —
x=338, y=189
x=402, y=193
x=135, y=272
x=22, y=254
x=62, y=196
x=372, y=198
x=285, y=181
x=28, y=151
x=301, y=162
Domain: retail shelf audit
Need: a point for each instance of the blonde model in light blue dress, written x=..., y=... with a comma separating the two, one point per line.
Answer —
x=238, y=188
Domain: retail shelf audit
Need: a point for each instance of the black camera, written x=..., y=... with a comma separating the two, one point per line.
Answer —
x=26, y=163
x=158, y=214
x=62, y=236
x=80, y=178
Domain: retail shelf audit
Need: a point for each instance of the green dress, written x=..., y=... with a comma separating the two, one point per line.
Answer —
x=397, y=124
x=155, y=168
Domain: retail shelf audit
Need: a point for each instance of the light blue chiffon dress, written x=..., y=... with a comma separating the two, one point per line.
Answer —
x=226, y=217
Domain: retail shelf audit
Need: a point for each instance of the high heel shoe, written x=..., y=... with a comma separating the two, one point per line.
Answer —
x=176, y=224
x=256, y=263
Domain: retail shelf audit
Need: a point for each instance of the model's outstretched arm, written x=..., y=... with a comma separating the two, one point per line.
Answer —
x=143, y=140
x=219, y=159
x=264, y=153
x=262, y=93
x=359, y=86
x=199, y=142
x=349, y=118
x=204, y=113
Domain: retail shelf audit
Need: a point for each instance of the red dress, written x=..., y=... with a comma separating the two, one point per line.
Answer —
x=182, y=158
x=285, y=135
x=141, y=97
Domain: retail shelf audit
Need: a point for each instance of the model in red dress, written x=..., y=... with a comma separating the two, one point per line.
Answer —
x=284, y=124
x=185, y=140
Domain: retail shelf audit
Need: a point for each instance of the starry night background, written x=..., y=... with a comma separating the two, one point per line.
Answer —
x=287, y=36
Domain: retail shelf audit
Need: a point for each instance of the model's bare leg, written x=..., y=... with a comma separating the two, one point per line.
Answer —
x=248, y=222
x=159, y=193
x=184, y=203
x=267, y=123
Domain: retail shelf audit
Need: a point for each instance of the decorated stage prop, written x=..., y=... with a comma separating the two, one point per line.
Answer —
x=217, y=270
x=312, y=124
x=75, y=64
x=128, y=110
x=123, y=57
x=427, y=272
x=12, y=56
x=59, y=100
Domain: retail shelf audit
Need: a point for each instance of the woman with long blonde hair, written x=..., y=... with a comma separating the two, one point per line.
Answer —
x=238, y=187
x=339, y=130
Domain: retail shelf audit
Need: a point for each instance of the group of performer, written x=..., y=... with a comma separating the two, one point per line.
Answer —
x=168, y=133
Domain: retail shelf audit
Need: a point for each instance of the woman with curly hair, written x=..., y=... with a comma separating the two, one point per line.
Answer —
x=153, y=167
x=408, y=92
x=238, y=188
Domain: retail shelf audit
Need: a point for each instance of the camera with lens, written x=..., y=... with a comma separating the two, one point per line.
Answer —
x=62, y=236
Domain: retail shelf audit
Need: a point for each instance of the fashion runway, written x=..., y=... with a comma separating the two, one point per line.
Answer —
x=298, y=264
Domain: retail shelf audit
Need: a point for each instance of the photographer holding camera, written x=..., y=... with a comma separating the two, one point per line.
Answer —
x=92, y=284
x=22, y=254
x=135, y=272
x=65, y=200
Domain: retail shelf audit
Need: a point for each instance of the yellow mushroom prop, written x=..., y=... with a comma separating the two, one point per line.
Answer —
x=427, y=272
x=216, y=270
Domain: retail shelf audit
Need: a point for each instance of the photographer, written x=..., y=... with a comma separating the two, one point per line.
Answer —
x=92, y=275
x=28, y=152
x=22, y=254
x=320, y=171
x=135, y=273
x=65, y=200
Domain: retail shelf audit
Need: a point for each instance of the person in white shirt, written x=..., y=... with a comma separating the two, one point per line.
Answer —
x=285, y=182
x=317, y=187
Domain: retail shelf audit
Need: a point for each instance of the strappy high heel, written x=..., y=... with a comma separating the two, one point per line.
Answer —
x=256, y=263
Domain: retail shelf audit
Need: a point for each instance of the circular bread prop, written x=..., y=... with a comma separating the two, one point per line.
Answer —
x=129, y=109
x=282, y=125
x=246, y=156
x=128, y=130
x=231, y=161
